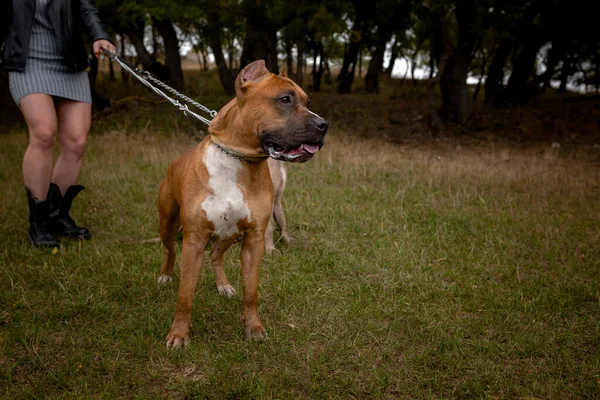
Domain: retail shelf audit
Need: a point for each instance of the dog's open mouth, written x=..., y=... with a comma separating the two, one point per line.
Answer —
x=298, y=154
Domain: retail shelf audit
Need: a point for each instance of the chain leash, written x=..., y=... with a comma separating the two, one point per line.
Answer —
x=148, y=80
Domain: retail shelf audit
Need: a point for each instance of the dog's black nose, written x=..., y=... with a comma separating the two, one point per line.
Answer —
x=321, y=124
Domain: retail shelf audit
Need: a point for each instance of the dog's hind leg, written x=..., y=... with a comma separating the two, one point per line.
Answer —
x=269, y=242
x=280, y=218
x=169, y=224
x=216, y=256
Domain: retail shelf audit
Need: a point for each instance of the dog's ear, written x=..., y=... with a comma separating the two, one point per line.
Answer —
x=283, y=73
x=251, y=73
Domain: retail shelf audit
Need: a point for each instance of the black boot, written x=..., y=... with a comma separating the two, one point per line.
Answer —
x=60, y=219
x=40, y=231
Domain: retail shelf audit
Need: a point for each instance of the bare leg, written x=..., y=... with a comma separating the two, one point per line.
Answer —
x=192, y=256
x=74, y=119
x=40, y=116
x=218, y=250
x=253, y=248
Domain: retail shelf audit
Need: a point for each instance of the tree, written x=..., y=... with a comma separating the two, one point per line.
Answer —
x=458, y=54
x=213, y=32
x=389, y=16
x=264, y=18
x=362, y=15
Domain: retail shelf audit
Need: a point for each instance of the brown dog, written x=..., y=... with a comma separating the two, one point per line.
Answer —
x=221, y=189
x=278, y=173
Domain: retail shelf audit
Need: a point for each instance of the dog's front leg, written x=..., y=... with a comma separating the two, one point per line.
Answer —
x=192, y=257
x=253, y=248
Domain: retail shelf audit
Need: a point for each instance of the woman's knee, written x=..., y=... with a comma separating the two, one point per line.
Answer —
x=75, y=146
x=42, y=137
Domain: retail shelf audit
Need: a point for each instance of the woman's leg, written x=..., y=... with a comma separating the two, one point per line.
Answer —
x=40, y=116
x=74, y=120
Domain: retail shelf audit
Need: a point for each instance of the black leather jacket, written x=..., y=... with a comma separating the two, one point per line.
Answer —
x=68, y=17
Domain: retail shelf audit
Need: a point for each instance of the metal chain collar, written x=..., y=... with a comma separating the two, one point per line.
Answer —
x=148, y=80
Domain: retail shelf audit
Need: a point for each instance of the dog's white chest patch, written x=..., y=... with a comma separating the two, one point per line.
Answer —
x=226, y=206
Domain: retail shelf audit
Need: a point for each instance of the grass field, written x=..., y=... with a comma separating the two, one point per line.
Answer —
x=418, y=271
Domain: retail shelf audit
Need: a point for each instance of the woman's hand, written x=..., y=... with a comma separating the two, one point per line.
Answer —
x=103, y=44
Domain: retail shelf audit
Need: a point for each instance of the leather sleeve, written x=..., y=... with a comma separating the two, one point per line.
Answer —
x=91, y=20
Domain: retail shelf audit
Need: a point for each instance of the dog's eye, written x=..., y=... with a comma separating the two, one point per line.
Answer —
x=308, y=102
x=286, y=99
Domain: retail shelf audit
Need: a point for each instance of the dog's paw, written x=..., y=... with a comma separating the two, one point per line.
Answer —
x=270, y=250
x=164, y=279
x=255, y=332
x=287, y=238
x=226, y=290
x=177, y=340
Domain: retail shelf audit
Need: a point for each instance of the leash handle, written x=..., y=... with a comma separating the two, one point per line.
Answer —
x=108, y=54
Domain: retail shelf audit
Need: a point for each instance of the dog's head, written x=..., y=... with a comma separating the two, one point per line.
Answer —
x=276, y=111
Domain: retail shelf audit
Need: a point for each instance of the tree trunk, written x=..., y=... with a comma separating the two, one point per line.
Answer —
x=585, y=77
x=346, y=76
x=172, y=58
x=213, y=34
x=453, y=80
x=393, y=58
x=123, y=73
x=453, y=85
x=517, y=89
x=317, y=71
x=100, y=102
x=375, y=67
x=431, y=103
x=205, y=59
x=146, y=59
x=494, y=82
x=360, y=62
x=300, y=64
x=327, y=71
x=111, y=71
x=199, y=57
x=154, y=42
x=413, y=67
x=481, y=75
x=565, y=72
x=596, y=72
x=93, y=72
x=432, y=61
x=289, y=59
x=231, y=52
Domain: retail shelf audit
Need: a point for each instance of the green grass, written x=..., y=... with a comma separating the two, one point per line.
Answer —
x=416, y=272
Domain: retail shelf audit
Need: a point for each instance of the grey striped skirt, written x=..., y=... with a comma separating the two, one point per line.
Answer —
x=49, y=77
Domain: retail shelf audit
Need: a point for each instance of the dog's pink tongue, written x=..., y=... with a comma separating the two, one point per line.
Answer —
x=311, y=148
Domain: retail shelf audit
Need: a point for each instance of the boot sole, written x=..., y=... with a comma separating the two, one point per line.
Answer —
x=77, y=237
x=43, y=245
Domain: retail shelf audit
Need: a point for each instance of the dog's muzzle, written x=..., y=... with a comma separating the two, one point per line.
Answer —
x=297, y=146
